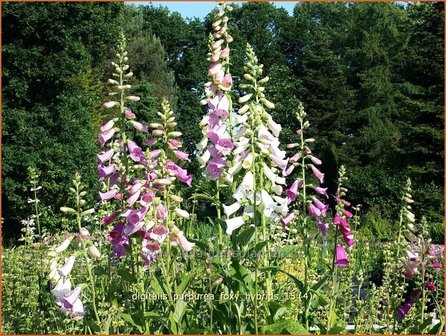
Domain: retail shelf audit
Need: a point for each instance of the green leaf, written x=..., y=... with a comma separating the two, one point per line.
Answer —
x=157, y=286
x=172, y=324
x=180, y=309
x=126, y=275
x=284, y=252
x=129, y=318
x=285, y=327
x=184, y=284
x=296, y=281
x=244, y=237
x=206, y=197
x=437, y=329
x=337, y=329
x=320, y=283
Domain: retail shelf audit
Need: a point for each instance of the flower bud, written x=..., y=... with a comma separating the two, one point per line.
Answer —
x=94, y=252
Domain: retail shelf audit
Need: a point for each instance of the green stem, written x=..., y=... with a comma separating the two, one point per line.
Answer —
x=334, y=281
x=89, y=268
x=37, y=210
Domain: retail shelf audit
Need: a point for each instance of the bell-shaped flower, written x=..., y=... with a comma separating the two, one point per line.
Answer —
x=233, y=224
x=109, y=219
x=62, y=287
x=182, y=213
x=107, y=195
x=404, y=309
x=317, y=173
x=215, y=167
x=268, y=203
x=292, y=191
x=159, y=233
x=94, y=252
x=231, y=209
x=140, y=127
x=64, y=245
x=103, y=172
x=105, y=137
x=105, y=156
x=274, y=127
x=322, y=226
x=321, y=191
x=108, y=125
x=314, y=211
x=246, y=188
x=181, y=155
x=341, y=258
x=287, y=219
x=67, y=267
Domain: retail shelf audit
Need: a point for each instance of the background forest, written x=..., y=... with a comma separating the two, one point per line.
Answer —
x=369, y=75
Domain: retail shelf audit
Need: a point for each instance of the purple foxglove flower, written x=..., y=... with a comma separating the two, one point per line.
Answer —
x=322, y=226
x=341, y=259
x=315, y=160
x=295, y=158
x=292, y=191
x=321, y=206
x=161, y=213
x=317, y=173
x=105, y=156
x=135, y=151
x=347, y=214
x=224, y=53
x=147, y=198
x=132, y=199
x=140, y=127
x=105, y=136
x=103, y=172
x=68, y=300
x=119, y=251
x=107, y=195
x=180, y=173
x=314, y=211
x=115, y=236
x=404, y=309
x=209, y=90
x=107, y=126
x=174, y=144
x=436, y=264
x=287, y=219
x=321, y=191
x=131, y=228
x=159, y=233
x=430, y=286
x=215, y=167
x=288, y=171
x=150, y=249
x=129, y=114
x=181, y=155
x=349, y=241
x=150, y=142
